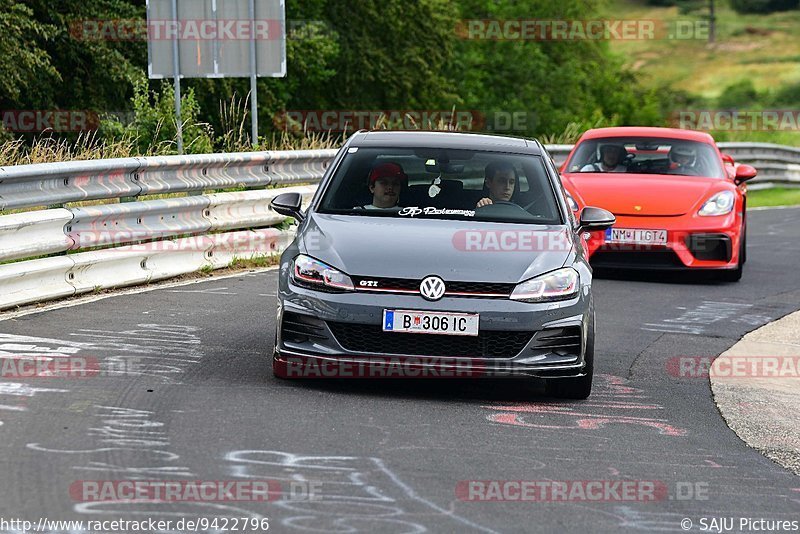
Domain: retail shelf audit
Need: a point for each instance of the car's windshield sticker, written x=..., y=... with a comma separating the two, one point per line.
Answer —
x=413, y=211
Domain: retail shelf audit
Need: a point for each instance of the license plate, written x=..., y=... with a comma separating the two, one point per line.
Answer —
x=420, y=322
x=636, y=236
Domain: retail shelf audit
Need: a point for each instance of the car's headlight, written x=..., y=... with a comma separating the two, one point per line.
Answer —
x=572, y=204
x=562, y=284
x=310, y=273
x=719, y=204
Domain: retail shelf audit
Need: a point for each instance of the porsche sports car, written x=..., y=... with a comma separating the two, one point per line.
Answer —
x=433, y=254
x=679, y=202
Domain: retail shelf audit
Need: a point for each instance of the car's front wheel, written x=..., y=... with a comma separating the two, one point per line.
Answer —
x=579, y=387
x=734, y=275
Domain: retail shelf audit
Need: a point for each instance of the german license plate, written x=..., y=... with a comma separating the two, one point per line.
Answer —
x=636, y=236
x=421, y=322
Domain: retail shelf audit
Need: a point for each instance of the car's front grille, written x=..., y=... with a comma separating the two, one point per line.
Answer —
x=372, y=338
x=561, y=341
x=645, y=259
x=479, y=288
x=407, y=285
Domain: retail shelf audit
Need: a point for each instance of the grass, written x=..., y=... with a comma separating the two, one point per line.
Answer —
x=763, y=48
x=255, y=262
x=778, y=196
x=47, y=149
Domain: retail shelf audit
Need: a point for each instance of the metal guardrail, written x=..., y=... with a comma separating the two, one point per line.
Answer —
x=777, y=165
x=122, y=244
x=145, y=240
x=47, y=184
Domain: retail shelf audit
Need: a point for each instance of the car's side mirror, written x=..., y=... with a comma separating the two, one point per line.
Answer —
x=288, y=204
x=744, y=173
x=593, y=219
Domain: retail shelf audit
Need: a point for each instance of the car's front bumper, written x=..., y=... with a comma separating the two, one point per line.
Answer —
x=693, y=242
x=340, y=334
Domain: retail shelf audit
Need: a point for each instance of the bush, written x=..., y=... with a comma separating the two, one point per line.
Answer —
x=763, y=6
x=788, y=96
x=739, y=95
x=153, y=128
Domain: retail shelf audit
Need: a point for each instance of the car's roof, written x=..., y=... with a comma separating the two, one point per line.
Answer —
x=648, y=131
x=426, y=139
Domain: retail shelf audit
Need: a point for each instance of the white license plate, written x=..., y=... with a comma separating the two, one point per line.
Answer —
x=636, y=236
x=420, y=322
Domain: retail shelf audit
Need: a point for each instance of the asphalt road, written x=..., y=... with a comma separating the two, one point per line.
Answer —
x=194, y=399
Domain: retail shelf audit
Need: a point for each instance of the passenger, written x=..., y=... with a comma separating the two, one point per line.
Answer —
x=500, y=180
x=385, y=183
x=612, y=158
x=682, y=159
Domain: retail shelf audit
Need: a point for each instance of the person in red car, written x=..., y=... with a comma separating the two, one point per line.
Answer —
x=682, y=159
x=612, y=158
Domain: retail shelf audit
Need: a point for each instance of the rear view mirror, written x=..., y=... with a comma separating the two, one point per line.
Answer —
x=433, y=167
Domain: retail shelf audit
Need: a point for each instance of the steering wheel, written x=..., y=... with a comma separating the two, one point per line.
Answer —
x=528, y=206
x=501, y=206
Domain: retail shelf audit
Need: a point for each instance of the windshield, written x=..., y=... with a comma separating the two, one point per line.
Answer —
x=444, y=184
x=646, y=155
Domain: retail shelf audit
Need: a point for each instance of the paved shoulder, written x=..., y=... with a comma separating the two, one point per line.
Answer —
x=756, y=385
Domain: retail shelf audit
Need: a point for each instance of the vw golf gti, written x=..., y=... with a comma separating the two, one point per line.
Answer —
x=438, y=252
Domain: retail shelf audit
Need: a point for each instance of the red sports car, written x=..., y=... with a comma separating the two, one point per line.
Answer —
x=679, y=202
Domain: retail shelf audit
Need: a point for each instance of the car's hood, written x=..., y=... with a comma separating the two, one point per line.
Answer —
x=415, y=248
x=642, y=194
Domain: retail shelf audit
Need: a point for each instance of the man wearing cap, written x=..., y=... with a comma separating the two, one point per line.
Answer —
x=385, y=183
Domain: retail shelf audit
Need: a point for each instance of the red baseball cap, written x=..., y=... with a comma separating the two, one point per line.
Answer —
x=385, y=170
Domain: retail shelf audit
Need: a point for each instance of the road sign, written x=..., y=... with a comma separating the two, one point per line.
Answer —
x=216, y=39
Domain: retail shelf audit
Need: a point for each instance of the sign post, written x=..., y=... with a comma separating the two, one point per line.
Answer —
x=176, y=68
x=253, y=75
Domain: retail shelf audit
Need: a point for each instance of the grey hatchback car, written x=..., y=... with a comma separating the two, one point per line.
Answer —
x=438, y=254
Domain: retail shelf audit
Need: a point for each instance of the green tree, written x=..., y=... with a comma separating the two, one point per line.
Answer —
x=73, y=71
x=24, y=61
x=558, y=82
x=393, y=54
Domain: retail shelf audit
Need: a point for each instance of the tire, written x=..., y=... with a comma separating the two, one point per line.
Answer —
x=578, y=388
x=734, y=275
x=744, y=246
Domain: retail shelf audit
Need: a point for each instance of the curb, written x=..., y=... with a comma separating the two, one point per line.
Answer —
x=762, y=410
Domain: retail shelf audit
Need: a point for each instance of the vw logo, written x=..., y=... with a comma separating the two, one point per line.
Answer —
x=432, y=288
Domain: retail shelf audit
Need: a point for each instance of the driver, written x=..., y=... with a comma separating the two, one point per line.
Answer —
x=682, y=158
x=501, y=179
x=385, y=183
x=611, y=159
